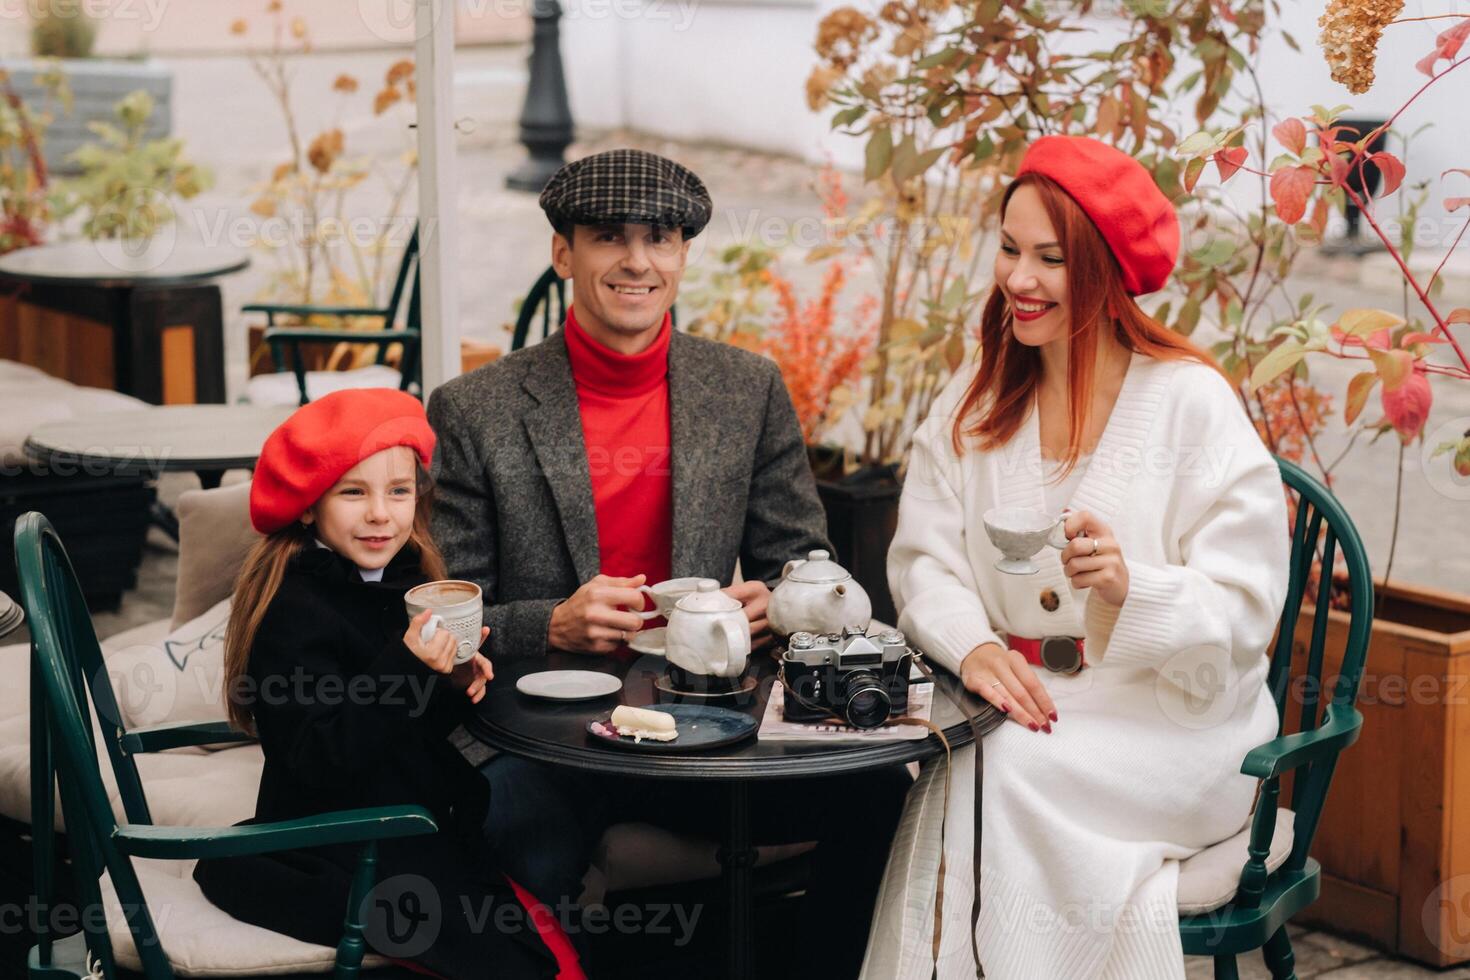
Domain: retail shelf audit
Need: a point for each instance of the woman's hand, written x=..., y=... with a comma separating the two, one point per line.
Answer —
x=1005, y=679
x=1093, y=558
x=438, y=653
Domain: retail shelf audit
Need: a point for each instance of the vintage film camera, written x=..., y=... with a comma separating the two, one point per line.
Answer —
x=864, y=680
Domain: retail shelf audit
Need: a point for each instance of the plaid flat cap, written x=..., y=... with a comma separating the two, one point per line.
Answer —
x=627, y=187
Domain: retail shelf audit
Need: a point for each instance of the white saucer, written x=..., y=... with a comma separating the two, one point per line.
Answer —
x=569, y=685
x=648, y=641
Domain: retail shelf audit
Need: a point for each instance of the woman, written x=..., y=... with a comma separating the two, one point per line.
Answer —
x=1171, y=581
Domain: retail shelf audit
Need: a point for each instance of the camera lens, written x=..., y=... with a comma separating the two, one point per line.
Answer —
x=867, y=703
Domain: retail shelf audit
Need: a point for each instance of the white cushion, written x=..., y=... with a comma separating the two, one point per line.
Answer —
x=1208, y=880
x=183, y=787
x=280, y=388
x=177, y=680
x=203, y=941
x=30, y=397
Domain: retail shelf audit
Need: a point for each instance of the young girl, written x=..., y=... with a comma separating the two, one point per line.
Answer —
x=353, y=708
x=1173, y=578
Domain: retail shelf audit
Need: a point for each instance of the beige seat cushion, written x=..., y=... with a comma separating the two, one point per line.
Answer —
x=280, y=388
x=214, y=537
x=30, y=397
x=1208, y=880
x=184, y=787
x=201, y=940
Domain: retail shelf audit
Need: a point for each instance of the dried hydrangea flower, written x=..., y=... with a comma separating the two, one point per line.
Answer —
x=842, y=34
x=819, y=83
x=1350, y=32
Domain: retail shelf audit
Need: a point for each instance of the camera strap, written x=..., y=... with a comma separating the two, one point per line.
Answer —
x=973, y=718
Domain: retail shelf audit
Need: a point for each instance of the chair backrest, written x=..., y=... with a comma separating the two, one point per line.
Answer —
x=545, y=309
x=545, y=306
x=67, y=665
x=407, y=280
x=1311, y=542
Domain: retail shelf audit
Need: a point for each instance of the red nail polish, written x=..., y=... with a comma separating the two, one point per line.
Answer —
x=1005, y=708
x=1033, y=727
x=1047, y=729
x=1053, y=716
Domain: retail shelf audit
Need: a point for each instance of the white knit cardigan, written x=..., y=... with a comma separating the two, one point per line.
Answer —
x=1083, y=829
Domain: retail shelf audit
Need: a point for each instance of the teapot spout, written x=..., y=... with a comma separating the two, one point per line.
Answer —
x=840, y=589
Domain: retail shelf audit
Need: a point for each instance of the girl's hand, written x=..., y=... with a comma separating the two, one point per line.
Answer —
x=1093, y=558
x=1005, y=679
x=474, y=674
x=438, y=653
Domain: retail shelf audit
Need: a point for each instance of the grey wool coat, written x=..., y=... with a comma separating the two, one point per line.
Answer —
x=513, y=507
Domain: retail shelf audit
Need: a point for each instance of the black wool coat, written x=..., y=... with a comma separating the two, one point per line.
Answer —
x=348, y=717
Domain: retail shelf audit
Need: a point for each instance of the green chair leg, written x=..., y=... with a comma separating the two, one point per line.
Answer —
x=1280, y=960
x=1225, y=968
x=353, y=947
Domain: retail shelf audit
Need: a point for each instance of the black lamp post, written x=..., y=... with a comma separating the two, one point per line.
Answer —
x=546, y=117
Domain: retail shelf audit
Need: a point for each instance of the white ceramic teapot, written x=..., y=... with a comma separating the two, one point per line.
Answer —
x=708, y=633
x=819, y=596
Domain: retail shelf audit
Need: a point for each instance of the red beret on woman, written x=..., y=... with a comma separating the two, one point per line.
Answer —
x=1120, y=196
x=322, y=440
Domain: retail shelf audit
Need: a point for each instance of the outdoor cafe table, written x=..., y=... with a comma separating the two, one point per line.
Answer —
x=555, y=732
x=203, y=439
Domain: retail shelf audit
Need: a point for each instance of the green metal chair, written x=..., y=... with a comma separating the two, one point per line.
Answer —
x=284, y=341
x=1256, y=918
x=67, y=667
x=545, y=307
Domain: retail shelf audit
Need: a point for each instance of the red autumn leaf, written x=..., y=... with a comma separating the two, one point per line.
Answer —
x=1455, y=203
x=1230, y=160
x=1407, y=407
x=1461, y=315
x=1290, y=188
x=1392, y=169
x=1357, y=396
x=1320, y=212
x=1292, y=134
x=1339, y=170
x=1378, y=340
x=1446, y=46
x=1419, y=338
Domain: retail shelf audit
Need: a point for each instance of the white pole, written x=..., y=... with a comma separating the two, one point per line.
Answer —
x=438, y=232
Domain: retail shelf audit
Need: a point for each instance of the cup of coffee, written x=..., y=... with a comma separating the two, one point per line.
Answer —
x=666, y=595
x=1019, y=533
x=456, y=606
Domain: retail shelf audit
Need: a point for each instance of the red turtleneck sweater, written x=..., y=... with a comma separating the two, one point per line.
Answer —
x=624, y=402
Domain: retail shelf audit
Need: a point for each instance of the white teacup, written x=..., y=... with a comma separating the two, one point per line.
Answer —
x=1019, y=533
x=456, y=606
x=666, y=595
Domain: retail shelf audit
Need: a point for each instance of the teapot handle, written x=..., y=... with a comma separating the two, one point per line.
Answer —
x=791, y=566
x=735, y=647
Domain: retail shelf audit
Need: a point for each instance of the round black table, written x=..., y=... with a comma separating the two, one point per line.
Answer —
x=555, y=732
x=205, y=440
x=156, y=300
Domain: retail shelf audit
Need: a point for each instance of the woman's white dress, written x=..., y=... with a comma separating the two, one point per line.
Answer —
x=1083, y=829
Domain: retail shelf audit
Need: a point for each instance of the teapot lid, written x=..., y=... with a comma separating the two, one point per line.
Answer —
x=819, y=569
x=707, y=597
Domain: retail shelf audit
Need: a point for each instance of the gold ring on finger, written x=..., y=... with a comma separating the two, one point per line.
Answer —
x=1095, y=547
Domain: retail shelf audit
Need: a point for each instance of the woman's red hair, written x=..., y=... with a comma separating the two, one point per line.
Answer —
x=1010, y=370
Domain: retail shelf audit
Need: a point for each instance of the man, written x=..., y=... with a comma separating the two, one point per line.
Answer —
x=619, y=452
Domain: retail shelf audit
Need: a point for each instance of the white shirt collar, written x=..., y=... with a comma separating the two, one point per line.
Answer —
x=368, y=574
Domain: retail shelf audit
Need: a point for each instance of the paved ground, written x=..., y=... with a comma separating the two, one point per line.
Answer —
x=503, y=248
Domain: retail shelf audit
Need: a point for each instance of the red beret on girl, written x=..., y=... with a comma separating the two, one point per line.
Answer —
x=322, y=440
x=1120, y=196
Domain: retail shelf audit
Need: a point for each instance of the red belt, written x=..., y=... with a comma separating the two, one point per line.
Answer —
x=1031, y=648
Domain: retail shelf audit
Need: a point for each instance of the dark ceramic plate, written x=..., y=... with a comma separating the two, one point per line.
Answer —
x=699, y=727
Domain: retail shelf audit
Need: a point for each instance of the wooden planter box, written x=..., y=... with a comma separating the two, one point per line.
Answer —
x=1394, y=841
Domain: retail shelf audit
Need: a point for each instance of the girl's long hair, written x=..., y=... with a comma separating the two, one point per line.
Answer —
x=1004, y=389
x=260, y=579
